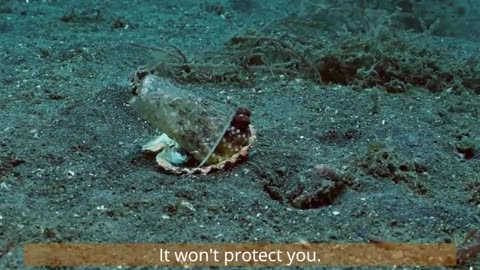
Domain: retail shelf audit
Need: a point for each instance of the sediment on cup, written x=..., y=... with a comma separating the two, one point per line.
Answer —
x=195, y=123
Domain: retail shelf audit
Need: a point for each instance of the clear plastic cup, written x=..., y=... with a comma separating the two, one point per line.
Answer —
x=196, y=124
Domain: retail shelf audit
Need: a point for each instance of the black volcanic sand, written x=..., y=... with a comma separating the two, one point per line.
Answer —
x=401, y=166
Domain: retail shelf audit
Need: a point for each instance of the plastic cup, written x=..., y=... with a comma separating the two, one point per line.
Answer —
x=196, y=124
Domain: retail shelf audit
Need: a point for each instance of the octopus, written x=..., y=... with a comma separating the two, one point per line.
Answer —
x=232, y=149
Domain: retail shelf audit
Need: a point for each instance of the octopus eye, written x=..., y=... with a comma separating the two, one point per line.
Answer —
x=244, y=111
x=241, y=122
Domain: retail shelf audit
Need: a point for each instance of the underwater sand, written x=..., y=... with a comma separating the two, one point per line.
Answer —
x=71, y=169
